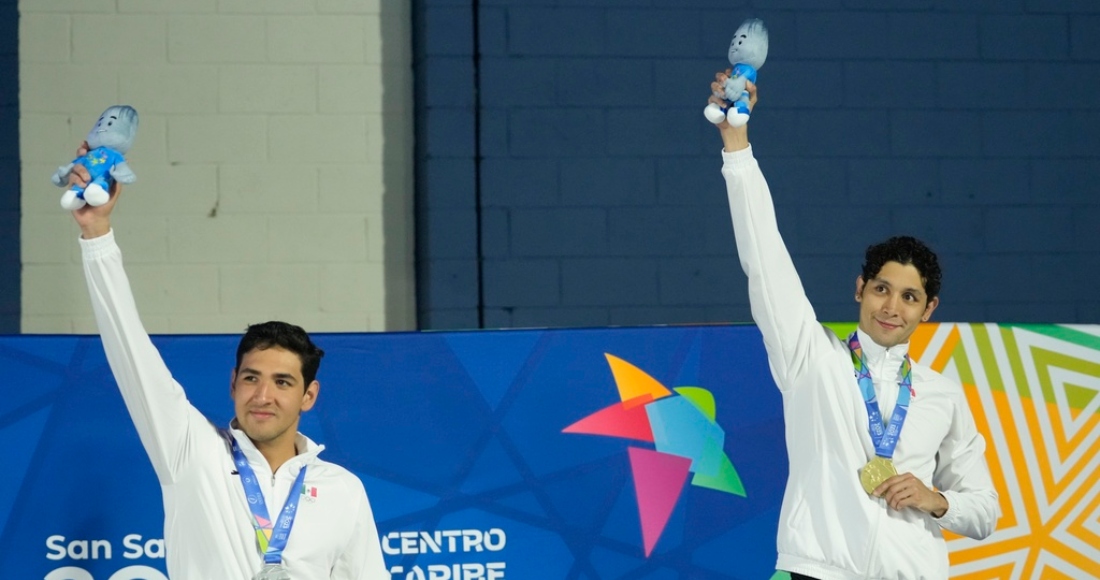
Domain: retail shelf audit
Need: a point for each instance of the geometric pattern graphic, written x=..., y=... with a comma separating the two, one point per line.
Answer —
x=687, y=438
x=1035, y=394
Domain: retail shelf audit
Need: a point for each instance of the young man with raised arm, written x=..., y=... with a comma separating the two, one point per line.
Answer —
x=251, y=501
x=883, y=452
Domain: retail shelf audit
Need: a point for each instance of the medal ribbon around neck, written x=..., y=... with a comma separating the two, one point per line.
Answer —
x=272, y=536
x=884, y=437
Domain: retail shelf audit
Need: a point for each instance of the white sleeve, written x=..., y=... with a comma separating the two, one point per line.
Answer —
x=362, y=556
x=156, y=402
x=962, y=476
x=779, y=304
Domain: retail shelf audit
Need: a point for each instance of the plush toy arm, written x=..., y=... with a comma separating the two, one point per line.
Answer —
x=61, y=178
x=122, y=173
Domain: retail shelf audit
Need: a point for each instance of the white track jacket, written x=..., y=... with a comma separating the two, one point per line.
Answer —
x=829, y=527
x=207, y=529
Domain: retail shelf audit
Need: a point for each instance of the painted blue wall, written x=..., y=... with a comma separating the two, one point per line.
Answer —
x=10, y=265
x=584, y=159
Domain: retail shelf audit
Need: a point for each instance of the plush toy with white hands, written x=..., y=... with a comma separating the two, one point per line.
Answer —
x=747, y=52
x=108, y=141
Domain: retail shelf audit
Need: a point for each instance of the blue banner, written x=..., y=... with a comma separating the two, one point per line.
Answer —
x=540, y=454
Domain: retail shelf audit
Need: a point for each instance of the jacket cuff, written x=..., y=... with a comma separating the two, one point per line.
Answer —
x=948, y=520
x=739, y=158
x=99, y=247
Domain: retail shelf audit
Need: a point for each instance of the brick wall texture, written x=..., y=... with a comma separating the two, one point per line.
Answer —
x=568, y=164
x=273, y=159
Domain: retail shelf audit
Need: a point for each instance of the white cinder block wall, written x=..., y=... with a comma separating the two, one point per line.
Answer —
x=274, y=160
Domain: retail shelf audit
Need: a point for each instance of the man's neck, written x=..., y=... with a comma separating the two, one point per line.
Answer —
x=876, y=353
x=277, y=452
x=865, y=338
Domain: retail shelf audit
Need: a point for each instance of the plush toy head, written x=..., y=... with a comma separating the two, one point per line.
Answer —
x=750, y=44
x=115, y=129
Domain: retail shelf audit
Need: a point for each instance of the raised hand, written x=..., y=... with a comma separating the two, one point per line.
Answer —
x=94, y=221
x=733, y=138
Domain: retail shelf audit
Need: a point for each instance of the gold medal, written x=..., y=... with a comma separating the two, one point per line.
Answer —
x=875, y=472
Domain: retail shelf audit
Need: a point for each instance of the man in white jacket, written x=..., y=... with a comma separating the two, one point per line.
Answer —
x=252, y=500
x=883, y=453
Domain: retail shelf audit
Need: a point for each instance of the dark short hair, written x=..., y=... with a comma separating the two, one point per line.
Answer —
x=905, y=250
x=293, y=338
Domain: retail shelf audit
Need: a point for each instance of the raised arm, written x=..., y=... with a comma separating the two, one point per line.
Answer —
x=157, y=404
x=779, y=304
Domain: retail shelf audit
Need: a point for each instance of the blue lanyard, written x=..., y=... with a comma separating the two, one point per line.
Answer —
x=884, y=437
x=272, y=538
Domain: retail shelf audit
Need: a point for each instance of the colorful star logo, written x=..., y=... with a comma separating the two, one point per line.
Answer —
x=682, y=427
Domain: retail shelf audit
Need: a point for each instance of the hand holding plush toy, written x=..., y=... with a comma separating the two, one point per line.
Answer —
x=109, y=140
x=747, y=52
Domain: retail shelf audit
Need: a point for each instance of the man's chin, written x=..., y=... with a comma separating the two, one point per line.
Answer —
x=259, y=434
x=888, y=337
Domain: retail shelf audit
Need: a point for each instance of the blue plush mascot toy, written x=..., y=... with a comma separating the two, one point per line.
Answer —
x=108, y=142
x=747, y=52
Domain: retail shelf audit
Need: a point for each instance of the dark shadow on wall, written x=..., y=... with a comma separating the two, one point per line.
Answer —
x=448, y=212
x=10, y=264
x=397, y=166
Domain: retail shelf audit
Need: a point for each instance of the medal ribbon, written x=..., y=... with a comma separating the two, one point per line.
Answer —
x=884, y=437
x=272, y=536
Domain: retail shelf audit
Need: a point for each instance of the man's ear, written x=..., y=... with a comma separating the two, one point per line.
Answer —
x=309, y=398
x=859, y=288
x=232, y=382
x=932, y=304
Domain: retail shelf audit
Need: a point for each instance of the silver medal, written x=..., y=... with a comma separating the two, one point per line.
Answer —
x=272, y=572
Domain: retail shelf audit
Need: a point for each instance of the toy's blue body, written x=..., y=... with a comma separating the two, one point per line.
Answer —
x=741, y=102
x=98, y=162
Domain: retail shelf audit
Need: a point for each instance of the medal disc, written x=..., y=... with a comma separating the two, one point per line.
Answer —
x=875, y=472
x=272, y=572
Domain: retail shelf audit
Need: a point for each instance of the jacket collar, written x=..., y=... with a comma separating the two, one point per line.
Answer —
x=883, y=362
x=307, y=451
